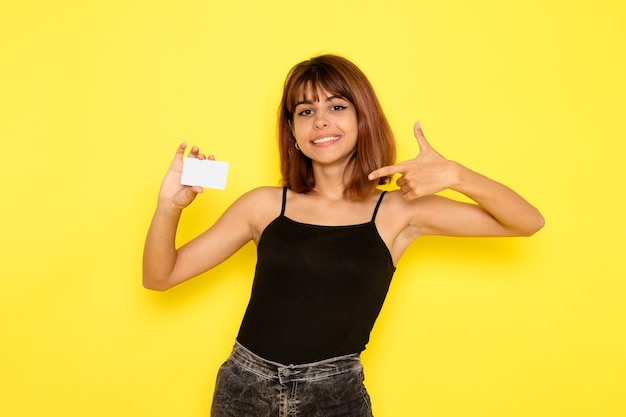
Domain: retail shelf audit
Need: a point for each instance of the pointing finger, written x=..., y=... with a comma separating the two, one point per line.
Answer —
x=385, y=171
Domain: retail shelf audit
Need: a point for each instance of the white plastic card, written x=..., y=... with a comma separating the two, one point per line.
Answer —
x=205, y=173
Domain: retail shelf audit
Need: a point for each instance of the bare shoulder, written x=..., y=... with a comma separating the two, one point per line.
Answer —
x=259, y=206
x=400, y=222
x=398, y=214
x=262, y=195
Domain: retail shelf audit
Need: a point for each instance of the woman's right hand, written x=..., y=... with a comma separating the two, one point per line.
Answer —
x=172, y=192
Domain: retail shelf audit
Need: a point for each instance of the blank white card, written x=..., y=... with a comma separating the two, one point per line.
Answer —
x=205, y=173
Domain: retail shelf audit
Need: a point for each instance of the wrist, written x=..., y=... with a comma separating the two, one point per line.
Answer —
x=463, y=179
x=168, y=208
x=458, y=175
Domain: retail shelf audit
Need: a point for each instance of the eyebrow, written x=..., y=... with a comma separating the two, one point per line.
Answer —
x=329, y=98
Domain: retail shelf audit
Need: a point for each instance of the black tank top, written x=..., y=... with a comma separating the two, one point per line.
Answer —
x=317, y=290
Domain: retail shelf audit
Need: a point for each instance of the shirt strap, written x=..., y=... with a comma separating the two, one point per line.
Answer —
x=380, y=200
x=282, y=210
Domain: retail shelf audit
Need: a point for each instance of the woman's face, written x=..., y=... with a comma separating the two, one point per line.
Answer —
x=325, y=129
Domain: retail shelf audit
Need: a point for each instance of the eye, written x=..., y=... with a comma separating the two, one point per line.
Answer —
x=338, y=107
x=305, y=112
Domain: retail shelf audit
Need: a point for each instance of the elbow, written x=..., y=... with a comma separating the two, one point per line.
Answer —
x=527, y=226
x=534, y=225
x=155, y=285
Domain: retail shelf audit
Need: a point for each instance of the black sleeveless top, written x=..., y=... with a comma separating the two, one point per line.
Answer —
x=317, y=290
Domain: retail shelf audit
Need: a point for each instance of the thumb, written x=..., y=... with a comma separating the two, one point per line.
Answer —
x=421, y=139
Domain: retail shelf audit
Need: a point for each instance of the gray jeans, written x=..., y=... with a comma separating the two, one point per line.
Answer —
x=248, y=385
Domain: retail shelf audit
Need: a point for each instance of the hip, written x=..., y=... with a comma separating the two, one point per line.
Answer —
x=250, y=385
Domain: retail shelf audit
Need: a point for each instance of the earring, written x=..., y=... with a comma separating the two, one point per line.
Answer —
x=297, y=146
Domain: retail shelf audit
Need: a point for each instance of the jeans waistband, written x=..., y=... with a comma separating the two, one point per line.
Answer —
x=304, y=372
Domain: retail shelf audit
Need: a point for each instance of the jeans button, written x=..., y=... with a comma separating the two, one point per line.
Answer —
x=286, y=372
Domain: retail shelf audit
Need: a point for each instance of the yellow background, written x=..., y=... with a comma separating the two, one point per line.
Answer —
x=96, y=95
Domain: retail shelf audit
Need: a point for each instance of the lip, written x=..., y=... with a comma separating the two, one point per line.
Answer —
x=325, y=139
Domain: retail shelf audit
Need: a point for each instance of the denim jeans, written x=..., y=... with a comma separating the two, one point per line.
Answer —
x=248, y=385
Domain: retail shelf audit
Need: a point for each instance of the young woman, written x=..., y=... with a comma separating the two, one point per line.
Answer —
x=327, y=242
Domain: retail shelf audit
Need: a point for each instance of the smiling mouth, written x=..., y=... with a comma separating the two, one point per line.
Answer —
x=326, y=139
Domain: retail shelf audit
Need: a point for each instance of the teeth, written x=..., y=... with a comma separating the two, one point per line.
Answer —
x=328, y=139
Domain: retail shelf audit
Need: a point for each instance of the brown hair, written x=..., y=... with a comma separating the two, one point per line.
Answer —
x=376, y=145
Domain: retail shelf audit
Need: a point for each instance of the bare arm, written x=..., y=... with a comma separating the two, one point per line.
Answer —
x=499, y=211
x=163, y=264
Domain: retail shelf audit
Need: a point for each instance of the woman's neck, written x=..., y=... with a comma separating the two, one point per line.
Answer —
x=330, y=181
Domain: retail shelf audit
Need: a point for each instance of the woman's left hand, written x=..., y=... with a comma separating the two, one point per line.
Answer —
x=426, y=174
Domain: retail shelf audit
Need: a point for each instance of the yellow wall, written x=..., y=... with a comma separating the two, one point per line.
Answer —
x=96, y=95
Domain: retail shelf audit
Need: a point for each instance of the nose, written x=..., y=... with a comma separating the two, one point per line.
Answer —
x=320, y=121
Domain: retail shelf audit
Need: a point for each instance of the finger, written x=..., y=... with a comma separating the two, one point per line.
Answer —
x=385, y=171
x=180, y=151
x=201, y=156
x=194, y=152
x=211, y=158
x=421, y=139
x=409, y=196
x=407, y=193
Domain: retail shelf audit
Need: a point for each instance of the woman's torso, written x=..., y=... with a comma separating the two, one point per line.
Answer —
x=318, y=288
